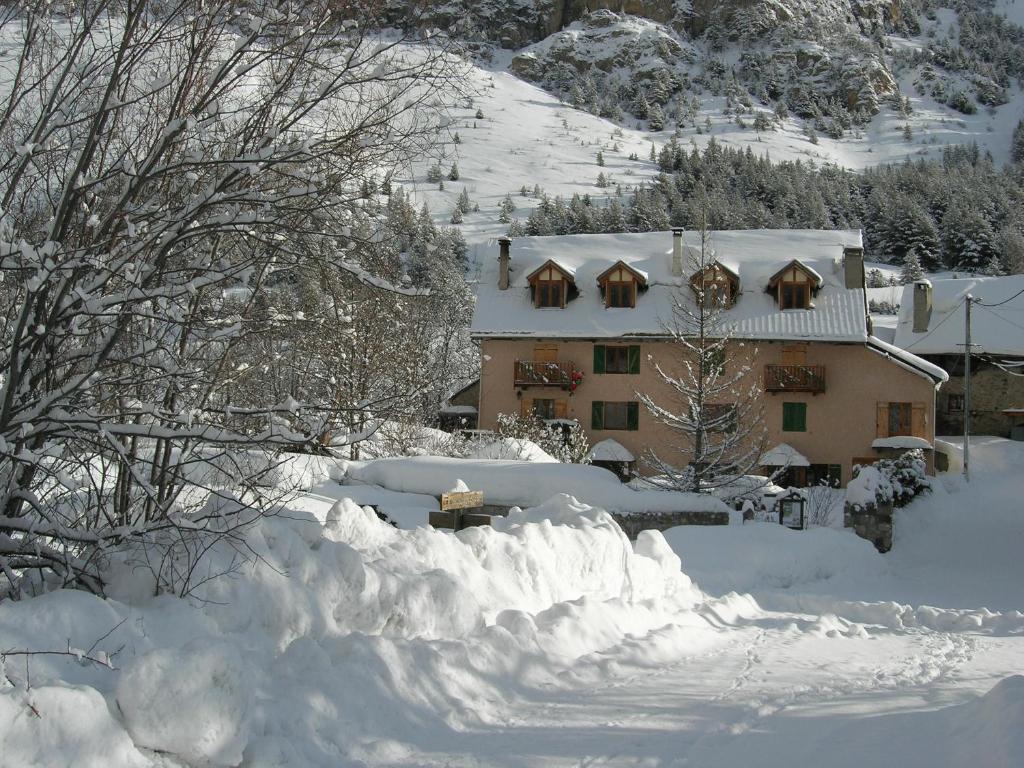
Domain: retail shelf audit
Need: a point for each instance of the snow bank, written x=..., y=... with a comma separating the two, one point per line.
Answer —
x=332, y=641
x=525, y=484
x=758, y=556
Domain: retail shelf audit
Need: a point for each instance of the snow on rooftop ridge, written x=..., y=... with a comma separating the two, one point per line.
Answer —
x=994, y=329
x=908, y=360
x=839, y=313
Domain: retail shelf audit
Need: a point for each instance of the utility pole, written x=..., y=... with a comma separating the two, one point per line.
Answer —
x=967, y=386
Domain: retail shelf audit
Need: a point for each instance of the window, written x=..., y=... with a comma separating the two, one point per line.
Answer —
x=543, y=409
x=616, y=359
x=716, y=294
x=899, y=419
x=615, y=415
x=825, y=474
x=954, y=404
x=794, y=296
x=618, y=294
x=549, y=293
x=794, y=417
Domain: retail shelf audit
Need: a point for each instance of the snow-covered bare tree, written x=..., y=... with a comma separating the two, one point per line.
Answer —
x=152, y=157
x=716, y=410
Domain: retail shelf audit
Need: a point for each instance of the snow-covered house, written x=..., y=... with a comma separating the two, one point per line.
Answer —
x=931, y=324
x=573, y=326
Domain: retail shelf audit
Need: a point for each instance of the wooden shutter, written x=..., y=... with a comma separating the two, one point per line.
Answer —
x=597, y=415
x=882, y=420
x=599, y=358
x=794, y=355
x=526, y=407
x=633, y=416
x=634, y=359
x=545, y=353
x=918, y=420
x=561, y=409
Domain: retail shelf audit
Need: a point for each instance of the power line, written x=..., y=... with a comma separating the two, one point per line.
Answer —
x=1000, y=303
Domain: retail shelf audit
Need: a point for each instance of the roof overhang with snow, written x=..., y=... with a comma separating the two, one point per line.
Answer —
x=783, y=455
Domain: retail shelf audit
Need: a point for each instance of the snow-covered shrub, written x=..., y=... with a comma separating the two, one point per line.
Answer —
x=868, y=489
x=906, y=475
x=896, y=481
x=562, y=438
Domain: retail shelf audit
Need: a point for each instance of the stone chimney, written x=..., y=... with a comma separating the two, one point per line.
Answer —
x=853, y=267
x=503, y=260
x=677, y=251
x=922, y=305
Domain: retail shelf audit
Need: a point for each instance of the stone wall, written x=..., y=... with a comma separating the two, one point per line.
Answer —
x=662, y=521
x=873, y=523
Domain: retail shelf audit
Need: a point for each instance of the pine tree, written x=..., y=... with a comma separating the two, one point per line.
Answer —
x=656, y=118
x=602, y=180
x=1017, y=146
x=456, y=215
x=453, y=174
x=911, y=270
x=479, y=114
x=463, y=203
x=600, y=158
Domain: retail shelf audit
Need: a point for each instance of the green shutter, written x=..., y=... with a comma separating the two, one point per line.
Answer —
x=598, y=358
x=633, y=416
x=634, y=359
x=794, y=417
x=597, y=415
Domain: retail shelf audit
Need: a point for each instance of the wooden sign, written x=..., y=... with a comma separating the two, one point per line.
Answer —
x=462, y=500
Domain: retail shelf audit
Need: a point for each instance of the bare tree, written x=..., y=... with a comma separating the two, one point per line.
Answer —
x=152, y=156
x=717, y=414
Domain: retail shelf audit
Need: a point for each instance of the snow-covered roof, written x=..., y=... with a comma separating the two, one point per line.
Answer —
x=838, y=313
x=908, y=360
x=995, y=330
x=901, y=441
x=783, y=455
x=610, y=450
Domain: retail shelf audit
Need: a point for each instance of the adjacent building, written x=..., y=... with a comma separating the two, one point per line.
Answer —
x=573, y=327
x=932, y=324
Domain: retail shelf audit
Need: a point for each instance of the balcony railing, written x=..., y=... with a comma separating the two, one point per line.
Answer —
x=794, y=378
x=539, y=373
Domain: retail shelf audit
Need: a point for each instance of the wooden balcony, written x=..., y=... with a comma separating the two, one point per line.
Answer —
x=538, y=373
x=794, y=378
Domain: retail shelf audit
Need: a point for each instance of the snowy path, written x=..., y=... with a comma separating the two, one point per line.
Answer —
x=768, y=689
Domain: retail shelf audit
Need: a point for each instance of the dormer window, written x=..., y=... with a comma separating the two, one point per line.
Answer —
x=620, y=285
x=793, y=286
x=551, y=286
x=716, y=286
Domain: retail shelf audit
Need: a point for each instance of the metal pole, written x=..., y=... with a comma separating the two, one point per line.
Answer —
x=967, y=386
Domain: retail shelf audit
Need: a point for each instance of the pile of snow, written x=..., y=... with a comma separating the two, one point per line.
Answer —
x=333, y=644
x=901, y=441
x=763, y=556
x=525, y=484
x=508, y=449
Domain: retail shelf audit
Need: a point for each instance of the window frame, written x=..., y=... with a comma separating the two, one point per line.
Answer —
x=631, y=414
x=793, y=285
x=542, y=416
x=619, y=355
x=958, y=398
x=620, y=294
x=899, y=410
x=544, y=289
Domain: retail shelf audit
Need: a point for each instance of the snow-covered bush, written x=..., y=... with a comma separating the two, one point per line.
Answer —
x=562, y=438
x=896, y=481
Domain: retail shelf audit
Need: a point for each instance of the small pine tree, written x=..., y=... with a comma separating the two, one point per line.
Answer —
x=453, y=174
x=656, y=118
x=911, y=270
x=600, y=158
x=440, y=185
x=523, y=191
x=456, y=215
x=479, y=114
x=602, y=180
x=908, y=133
x=653, y=156
x=464, y=204
x=456, y=139
x=434, y=173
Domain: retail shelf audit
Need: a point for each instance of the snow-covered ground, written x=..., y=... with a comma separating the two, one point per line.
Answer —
x=549, y=640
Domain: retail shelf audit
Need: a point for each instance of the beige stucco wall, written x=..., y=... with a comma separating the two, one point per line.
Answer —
x=841, y=422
